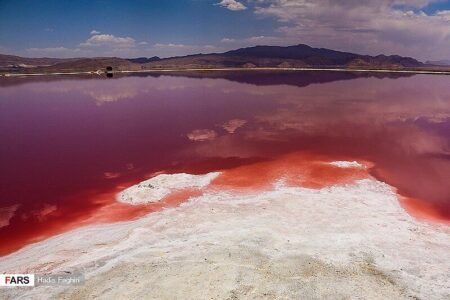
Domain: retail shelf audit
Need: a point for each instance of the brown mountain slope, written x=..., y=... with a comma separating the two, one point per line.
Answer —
x=17, y=61
x=87, y=64
x=297, y=56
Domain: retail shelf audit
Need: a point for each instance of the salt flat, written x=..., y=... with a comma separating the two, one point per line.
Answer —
x=348, y=241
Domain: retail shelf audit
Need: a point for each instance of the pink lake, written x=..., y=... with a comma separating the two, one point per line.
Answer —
x=68, y=145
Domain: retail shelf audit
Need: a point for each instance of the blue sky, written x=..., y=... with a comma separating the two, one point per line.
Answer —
x=177, y=27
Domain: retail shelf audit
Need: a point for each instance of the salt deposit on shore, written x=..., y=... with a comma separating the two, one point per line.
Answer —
x=156, y=188
x=347, y=164
x=348, y=241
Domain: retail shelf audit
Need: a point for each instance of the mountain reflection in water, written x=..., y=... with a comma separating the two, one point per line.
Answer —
x=69, y=144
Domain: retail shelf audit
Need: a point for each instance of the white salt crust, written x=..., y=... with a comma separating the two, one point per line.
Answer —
x=341, y=242
x=156, y=188
x=347, y=164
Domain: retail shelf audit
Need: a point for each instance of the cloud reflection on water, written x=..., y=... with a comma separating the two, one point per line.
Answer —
x=148, y=124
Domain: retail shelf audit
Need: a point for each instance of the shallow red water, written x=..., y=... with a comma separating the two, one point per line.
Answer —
x=67, y=146
x=296, y=169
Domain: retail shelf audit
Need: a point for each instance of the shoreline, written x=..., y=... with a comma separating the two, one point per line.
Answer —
x=169, y=70
x=282, y=228
x=130, y=200
x=281, y=242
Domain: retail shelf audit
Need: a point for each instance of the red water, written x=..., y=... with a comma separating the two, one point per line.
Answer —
x=296, y=169
x=67, y=146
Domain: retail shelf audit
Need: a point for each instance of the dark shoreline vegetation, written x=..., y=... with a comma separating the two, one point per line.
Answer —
x=298, y=57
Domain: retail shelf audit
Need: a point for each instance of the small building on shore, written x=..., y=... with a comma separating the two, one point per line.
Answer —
x=109, y=71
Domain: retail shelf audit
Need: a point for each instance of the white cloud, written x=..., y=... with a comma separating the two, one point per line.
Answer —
x=232, y=5
x=227, y=40
x=186, y=47
x=261, y=39
x=109, y=40
x=444, y=14
x=170, y=45
x=95, y=32
x=95, y=45
x=366, y=26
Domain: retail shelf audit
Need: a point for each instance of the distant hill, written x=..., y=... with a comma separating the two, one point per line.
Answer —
x=143, y=60
x=439, y=62
x=75, y=65
x=259, y=56
x=291, y=56
x=322, y=56
x=90, y=64
x=305, y=53
x=12, y=61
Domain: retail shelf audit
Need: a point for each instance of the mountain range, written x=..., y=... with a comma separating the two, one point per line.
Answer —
x=298, y=56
